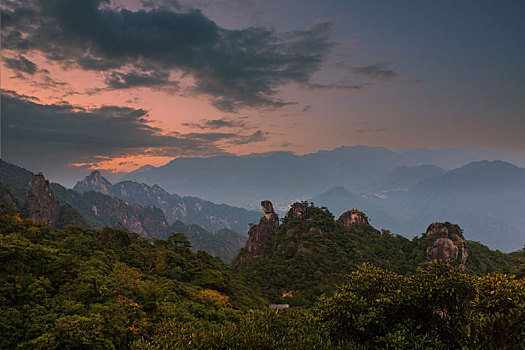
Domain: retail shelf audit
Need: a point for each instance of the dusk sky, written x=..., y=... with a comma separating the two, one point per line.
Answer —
x=116, y=85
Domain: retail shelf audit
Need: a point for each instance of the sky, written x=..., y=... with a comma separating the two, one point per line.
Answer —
x=115, y=85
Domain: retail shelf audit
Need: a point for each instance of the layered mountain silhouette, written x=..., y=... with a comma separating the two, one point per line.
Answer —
x=191, y=210
x=285, y=177
x=486, y=198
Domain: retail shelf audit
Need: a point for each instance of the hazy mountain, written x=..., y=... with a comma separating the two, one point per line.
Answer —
x=454, y=157
x=224, y=243
x=338, y=200
x=285, y=177
x=281, y=176
x=191, y=210
x=487, y=199
x=404, y=177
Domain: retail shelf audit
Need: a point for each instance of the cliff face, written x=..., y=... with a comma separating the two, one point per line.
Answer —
x=353, y=217
x=42, y=207
x=446, y=242
x=146, y=221
x=262, y=235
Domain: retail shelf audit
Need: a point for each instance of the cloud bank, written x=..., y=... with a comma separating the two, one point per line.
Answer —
x=235, y=68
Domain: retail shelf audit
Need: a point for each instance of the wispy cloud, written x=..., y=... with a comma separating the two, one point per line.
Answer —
x=378, y=71
x=223, y=122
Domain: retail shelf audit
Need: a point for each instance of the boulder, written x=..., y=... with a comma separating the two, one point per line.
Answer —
x=353, y=218
x=445, y=242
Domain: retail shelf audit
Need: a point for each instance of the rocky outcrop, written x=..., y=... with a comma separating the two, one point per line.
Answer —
x=42, y=207
x=262, y=235
x=353, y=218
x=445, y=242
x=298, y=209
x=94, y=182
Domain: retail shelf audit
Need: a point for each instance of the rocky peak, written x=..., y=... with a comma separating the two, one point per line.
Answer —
x=262, y=235
x=42, y=206
x=94, y=182
x=298, y=209
x=353, y=218
x=446, y=242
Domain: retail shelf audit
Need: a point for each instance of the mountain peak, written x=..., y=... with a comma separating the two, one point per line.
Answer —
x=94, y=182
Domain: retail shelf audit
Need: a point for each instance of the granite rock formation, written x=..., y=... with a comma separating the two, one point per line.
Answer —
x=94, y=182
x=446, y=242
x=42, y=206
x=354, y=218
x=298, y=209
x=262, y=235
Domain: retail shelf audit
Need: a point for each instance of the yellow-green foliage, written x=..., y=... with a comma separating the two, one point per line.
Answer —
x=79, y=288
x=442, y=307
x=101, y=289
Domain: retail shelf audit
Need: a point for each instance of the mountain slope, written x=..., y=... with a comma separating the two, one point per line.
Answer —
x=191, y=210
x=223, y=243
x=282, y=176
x=404, y=177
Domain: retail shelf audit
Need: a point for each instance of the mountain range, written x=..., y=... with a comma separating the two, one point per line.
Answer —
x=285, y=177
x=486, y=198
x=190, y=210
x=58, y=206
x=400, y=190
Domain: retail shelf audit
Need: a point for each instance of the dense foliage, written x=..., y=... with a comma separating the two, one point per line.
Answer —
x=79, y=288
x=312, y=254
x=84, y=288
x=439, y=308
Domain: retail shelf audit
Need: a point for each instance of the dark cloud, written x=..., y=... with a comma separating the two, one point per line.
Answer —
x=257, y=136
x=236, y=68
x=46, y=82
x=344, y=87
x=16, y=95
x=126, y=80
x=54, y=136
x=376, y=71
x=369, y=131
x=379, y=71
x=223, y=122
x=20, y=64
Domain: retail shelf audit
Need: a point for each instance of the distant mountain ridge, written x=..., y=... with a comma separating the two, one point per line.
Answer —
x=286, y=177
x=191, y=210
x=486, y=198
